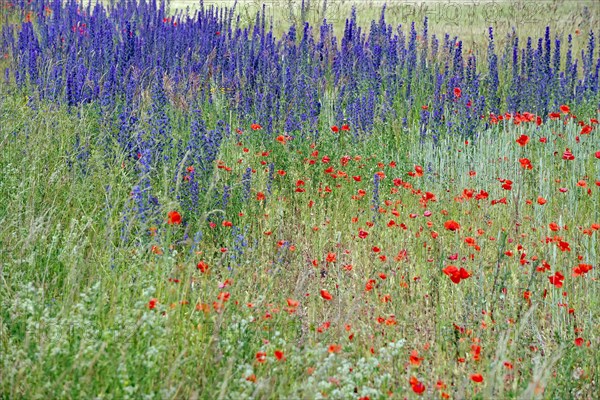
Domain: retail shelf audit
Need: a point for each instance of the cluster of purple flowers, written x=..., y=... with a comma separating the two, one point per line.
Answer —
x=112, y=53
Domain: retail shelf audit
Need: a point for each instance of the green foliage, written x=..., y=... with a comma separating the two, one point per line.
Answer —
x=78, y=319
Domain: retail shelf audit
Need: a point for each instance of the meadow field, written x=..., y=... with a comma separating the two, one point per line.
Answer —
x=306, y=200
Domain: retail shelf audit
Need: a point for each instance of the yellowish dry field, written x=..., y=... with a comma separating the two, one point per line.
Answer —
x=467, y=19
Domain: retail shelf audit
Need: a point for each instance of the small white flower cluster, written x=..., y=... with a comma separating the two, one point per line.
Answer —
x=338, y=378
x=83, y=336
x=244, y=388
x=234, y=335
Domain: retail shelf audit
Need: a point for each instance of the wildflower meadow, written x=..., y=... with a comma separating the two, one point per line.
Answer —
x=299, y=200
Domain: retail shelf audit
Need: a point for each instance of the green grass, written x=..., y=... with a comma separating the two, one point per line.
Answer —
x=75, y=320
x=75, y=316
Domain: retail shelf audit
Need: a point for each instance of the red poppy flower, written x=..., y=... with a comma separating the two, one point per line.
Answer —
x=470, y=241
x=261, y=356
x=417, y=386
x=482, y=195
x=202, y=266
x=334, y=348
x=557, y=279
x=476, y=352
x=586, y=130
x=507, y=184
x=331, y=257
x=582, y=269
x=326, y=295
x=525, y=163
x=281, y=139
x=152, y=303
x=523, y=140
x=279, y=355
x=255, y=127
x=544, y=267
x=563, y=246
x=174, y=218
x=324, y=327
x=541, y=201
x=455, y=273
x=567, y=155
x=477, y=378
x=335, y=129
x=418, y=170
x=415, y=359
x=370, y=285
x=452, y=225
x=554, y=115
x=457, y=93
x=156, y=250
x=565, y=109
